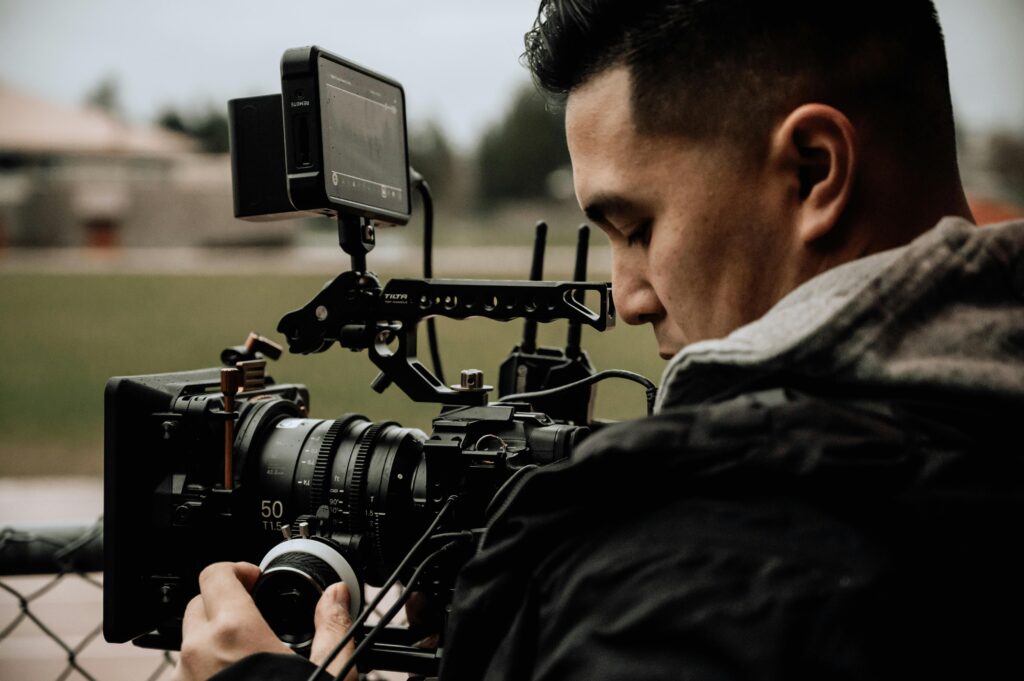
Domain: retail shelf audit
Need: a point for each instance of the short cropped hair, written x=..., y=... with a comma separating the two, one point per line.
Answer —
x=705, y=68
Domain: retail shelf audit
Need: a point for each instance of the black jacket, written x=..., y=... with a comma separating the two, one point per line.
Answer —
x=770, y=536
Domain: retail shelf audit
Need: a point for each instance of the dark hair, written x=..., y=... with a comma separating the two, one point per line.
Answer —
x=734, y=67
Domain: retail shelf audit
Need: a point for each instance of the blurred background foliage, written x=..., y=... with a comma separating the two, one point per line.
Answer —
x=518, y=155
x=209, y=127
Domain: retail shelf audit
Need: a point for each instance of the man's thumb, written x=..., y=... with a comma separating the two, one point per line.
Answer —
x=332, y=622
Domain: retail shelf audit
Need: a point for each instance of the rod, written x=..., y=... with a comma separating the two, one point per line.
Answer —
x=230, y=380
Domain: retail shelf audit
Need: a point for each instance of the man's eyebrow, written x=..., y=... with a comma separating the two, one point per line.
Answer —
x=602, y=206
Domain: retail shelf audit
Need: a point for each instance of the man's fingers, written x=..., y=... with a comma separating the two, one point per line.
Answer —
x=222, y=624
x=195, y=617
x=247, y=574
x=332, y=622
x=225, y=588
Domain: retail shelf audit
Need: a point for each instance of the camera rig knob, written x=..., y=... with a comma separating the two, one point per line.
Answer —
x=255, y=347
x=472, y=380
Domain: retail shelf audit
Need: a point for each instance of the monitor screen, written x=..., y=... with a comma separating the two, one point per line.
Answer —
x=363, y=123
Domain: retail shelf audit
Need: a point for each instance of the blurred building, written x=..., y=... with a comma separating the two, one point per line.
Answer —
x=992, y=167
x=81, y=177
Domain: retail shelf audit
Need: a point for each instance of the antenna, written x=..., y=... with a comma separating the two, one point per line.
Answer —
x=529, y=368
x=540, y=237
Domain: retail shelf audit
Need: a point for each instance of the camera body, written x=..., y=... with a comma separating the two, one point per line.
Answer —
x=224, y=463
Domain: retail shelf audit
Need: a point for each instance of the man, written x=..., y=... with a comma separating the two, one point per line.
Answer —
x=832, y=485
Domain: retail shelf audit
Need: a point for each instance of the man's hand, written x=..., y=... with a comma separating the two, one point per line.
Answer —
x=222, y=624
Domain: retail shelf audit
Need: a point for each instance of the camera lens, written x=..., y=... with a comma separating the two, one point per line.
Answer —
x=364, y=473
x=374, y=490
x=291, y=463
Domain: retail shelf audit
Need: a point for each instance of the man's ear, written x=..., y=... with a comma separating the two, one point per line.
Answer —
x=816, y=147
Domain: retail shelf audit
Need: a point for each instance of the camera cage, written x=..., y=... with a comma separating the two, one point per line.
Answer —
x=357, y=312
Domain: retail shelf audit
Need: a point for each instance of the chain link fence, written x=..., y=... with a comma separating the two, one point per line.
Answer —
x=51, y=597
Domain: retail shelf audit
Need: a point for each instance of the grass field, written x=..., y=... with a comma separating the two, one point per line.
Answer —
x=63, y=336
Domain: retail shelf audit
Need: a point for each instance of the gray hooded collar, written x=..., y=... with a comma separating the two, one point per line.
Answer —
x=944, y=313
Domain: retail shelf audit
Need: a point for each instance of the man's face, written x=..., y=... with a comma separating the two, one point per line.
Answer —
x=697, y=237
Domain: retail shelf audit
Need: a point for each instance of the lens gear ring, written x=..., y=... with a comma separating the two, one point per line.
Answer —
x=318, y=494
x=356, y=487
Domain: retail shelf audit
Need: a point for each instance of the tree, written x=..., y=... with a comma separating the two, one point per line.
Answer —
x=431, y=155
x=106, y=95
x=172, y=120
x=209, y=127
x=518, y=154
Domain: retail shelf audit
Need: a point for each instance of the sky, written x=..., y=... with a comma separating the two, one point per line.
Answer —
x=458, y=59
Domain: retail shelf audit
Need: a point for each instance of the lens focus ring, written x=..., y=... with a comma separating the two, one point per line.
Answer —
x=325, y=459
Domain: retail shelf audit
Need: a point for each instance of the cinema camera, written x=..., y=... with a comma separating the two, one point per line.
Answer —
x=225, y=464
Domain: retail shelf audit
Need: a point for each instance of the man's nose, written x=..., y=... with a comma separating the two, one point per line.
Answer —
x=635, y=299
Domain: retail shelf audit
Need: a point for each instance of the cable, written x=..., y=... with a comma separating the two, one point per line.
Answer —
x=368, y=610
x=652, y=390
x=392, y=611
x=507, y=486
x=461, y=534
x=428, y=263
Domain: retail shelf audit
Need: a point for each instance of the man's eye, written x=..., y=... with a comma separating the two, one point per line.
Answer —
x=641, y=235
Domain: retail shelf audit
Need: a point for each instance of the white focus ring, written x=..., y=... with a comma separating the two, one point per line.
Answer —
x=328, y=555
